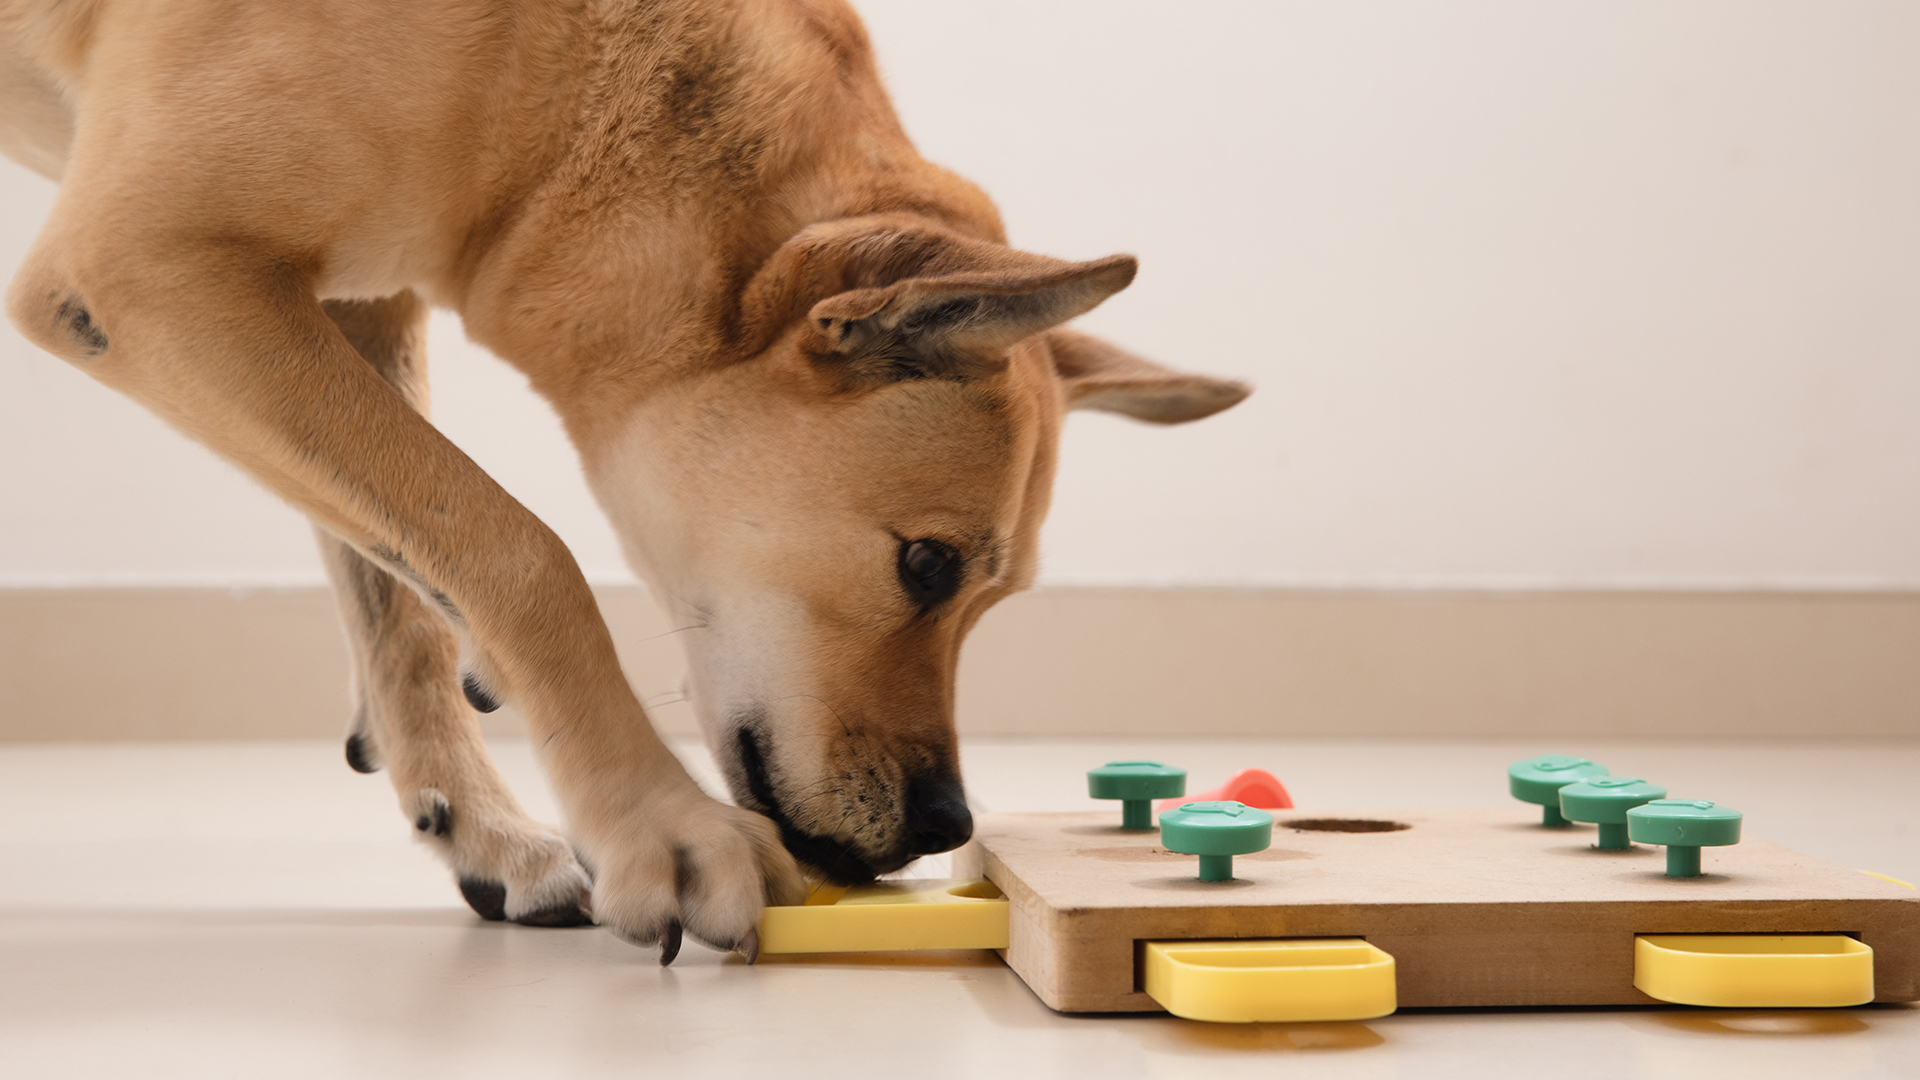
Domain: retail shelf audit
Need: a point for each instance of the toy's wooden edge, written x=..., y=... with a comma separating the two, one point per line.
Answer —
x=1502, y=955
x=1082, y=960
x=1042, y=942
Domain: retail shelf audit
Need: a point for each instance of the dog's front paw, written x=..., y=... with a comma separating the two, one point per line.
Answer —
x=688, y=862
x=509, y=866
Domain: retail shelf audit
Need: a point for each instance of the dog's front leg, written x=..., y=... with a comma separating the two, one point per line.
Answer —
x=409, y=714
x=228, y=343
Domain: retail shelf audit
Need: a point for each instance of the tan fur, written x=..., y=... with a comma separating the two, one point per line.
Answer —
x=786, y=347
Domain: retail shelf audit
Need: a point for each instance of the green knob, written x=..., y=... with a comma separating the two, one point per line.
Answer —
x=1684, y=826
x=1605, y=800
x=1216, y=831
x=1539, y=780
x=1136, y=784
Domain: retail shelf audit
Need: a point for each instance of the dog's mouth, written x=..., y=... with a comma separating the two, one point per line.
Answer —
x=835, y=860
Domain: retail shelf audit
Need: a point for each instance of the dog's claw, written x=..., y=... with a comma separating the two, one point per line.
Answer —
x=749, y=946
x=670, y=943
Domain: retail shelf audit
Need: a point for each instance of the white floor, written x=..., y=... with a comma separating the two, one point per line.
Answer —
x=257, y=910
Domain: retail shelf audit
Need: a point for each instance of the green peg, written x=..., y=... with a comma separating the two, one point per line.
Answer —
x=1605, y=800
x=1216, y=831
x=1539, y=780
x=1136, y=784
x=1684, y=826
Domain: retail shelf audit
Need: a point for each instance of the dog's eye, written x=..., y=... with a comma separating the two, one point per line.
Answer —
x=929, y=570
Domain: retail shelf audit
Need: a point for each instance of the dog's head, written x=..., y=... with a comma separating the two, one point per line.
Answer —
x=832, y=512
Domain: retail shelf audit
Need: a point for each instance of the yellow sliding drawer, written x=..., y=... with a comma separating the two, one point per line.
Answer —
x=1271, y=980
x=886, y=916
x=1751, y=971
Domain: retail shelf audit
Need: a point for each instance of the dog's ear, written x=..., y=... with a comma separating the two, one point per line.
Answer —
x=958, y=312
x=1097, y=375
x=897, y=296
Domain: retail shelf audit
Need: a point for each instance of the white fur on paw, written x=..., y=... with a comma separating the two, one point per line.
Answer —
x=509, y=867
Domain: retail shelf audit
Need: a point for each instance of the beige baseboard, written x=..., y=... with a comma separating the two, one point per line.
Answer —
x=209, y=663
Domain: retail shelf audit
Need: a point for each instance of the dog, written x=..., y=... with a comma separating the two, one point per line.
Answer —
x=814, y=390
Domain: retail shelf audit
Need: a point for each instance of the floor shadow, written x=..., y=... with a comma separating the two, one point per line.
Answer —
x=1769, y=1022
x=922, y=958
x=1189, y=1035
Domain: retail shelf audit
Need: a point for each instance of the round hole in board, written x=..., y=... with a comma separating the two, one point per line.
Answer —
x=1335, y=824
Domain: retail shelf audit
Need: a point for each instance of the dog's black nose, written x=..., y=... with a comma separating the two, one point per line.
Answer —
x=937, y=815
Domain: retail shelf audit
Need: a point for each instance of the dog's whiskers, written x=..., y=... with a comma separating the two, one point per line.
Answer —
x=679, y=630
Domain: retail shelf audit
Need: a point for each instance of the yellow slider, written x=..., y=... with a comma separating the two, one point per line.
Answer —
x=889, y=916
x=1754, y=971
x=1250, y=981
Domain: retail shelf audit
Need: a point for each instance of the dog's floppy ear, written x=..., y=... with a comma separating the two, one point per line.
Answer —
x=959, y=315
x=1097, y=375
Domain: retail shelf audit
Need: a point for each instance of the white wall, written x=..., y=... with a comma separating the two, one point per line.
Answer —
x=1570, y=294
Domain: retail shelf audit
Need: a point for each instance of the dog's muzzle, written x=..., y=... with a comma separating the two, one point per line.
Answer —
x=937, y=820
x=937, y=816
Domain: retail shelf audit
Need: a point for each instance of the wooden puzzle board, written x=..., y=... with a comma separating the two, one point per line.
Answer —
x=1479, y=907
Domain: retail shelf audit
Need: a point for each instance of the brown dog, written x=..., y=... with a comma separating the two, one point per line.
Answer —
x=817, y=394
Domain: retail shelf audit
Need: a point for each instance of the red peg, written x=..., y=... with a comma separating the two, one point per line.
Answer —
x=1252, y=787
